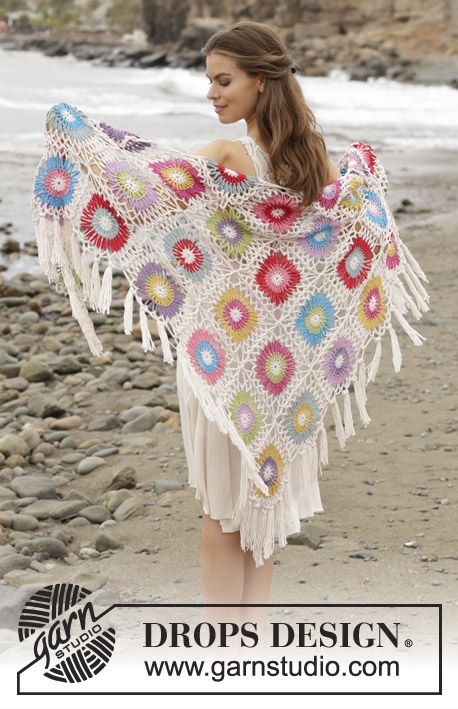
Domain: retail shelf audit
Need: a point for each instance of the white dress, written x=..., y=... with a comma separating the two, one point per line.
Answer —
x=214, y=462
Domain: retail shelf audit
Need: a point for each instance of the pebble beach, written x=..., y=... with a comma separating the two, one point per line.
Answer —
x=93, y=476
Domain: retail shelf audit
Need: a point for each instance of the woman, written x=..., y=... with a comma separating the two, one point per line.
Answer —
x=251, y=78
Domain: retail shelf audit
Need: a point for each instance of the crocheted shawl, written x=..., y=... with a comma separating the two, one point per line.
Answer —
x=271, y=306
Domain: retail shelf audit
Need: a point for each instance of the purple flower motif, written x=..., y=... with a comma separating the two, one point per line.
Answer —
x=130, y=187
x=129, y=141
x=158, y=290
x=339, y=361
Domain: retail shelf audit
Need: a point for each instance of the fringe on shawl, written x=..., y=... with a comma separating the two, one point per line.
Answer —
x=63, y=262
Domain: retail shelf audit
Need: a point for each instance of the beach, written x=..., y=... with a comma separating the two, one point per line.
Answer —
x=131, y=527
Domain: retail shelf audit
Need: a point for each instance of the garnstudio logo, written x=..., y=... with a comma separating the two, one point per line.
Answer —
x=74, y=644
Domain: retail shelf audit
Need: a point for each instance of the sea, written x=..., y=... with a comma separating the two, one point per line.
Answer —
x=169, y=106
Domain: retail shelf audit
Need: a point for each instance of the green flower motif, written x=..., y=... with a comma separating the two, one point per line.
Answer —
x=231, y=232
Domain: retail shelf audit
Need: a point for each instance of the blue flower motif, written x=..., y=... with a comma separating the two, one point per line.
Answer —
x=374, y=209
x=68, y=119
x=315, y=319
x=229, y=180
x=302, y=417
x=55, y=182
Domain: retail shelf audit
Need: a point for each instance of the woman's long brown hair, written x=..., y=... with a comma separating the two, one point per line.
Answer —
x=286, y=124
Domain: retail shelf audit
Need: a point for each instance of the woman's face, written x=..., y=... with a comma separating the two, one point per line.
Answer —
x=232, y=88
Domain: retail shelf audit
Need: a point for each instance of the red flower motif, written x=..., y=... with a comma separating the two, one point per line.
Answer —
x=356, y=263
x=102, y=225
x=277, y=277
x=368, y=154
x=279, y=211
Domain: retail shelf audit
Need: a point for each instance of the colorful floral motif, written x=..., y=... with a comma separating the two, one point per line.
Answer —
x=277, y=277
x=302, y=417
x=368, y=154
x=374, y=209
x=322, y=239
x=102, y=225
x=392, y=254
x=55, y=182
x=129, y=186
x=206, y=355
x=270, y=470
x=179, y=176
x=315, y=319
x=275, y=367
x=158, y=290
x=372, y=305
x=128, y=141
x=352, y=199
x=66, y=119
x=246, y=416
x=231, y=231
x=279, y=212
x=235, y=313
x=356, y=263
x=339, y=361
x=229, y=180
x=330, y=194
x=186, y=254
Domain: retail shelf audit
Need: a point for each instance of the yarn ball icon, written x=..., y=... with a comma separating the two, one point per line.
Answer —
x=74, y=644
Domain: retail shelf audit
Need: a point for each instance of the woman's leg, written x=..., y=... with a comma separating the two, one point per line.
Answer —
x=229, y=575
x=222, y=570
x=256, y=589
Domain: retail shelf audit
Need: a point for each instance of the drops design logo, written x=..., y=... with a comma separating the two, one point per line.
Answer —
x=74, y=644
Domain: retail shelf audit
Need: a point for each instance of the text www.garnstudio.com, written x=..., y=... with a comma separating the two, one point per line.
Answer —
x=315, y=666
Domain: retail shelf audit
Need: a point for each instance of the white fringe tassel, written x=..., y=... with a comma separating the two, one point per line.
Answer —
x=395, y=349
x=374, y=365
x=360, y=396
x=147, y=341
x=129, y=311
x=338, y=424
x=415, y=336
x=348, y=417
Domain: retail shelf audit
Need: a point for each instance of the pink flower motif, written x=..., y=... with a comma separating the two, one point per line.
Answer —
x=180, y=176
x=275, y=367
x=392, y=254
x=279, y=211
x=330, y=194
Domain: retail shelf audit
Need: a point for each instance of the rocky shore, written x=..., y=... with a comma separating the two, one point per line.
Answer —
x=361, y=55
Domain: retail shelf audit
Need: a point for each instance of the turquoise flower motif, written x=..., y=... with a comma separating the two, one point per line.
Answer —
x=55, y=182
x=302, y=417
x=67, y=119
x=229, y=180
x=374, y=209
x=315, y=319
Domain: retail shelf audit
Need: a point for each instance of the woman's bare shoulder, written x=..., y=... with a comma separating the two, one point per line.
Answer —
x=218, y=150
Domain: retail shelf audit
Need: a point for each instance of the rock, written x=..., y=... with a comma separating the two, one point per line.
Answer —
x=365, y=555
x=129, y=508
x=95, y=514
x=13, y=445
x=31, y=437
x=88, y=553
x=13, y=561
x=309, y=536
x=66, y=423
x=19, y=383
x=35, y=370
x=78, y=522
x=6, y=494
x=57, y=509
x=106, y=423
x=144, y=422
x=24, y=523
x=89, y=464
x=412, y=544
x=39, y=486
x=146, y=381
x=5, y=519
x=115, y=498
x=44, y=406
x=53, y=547
x=124, y=479
x=161, y=486
x=105, y=540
